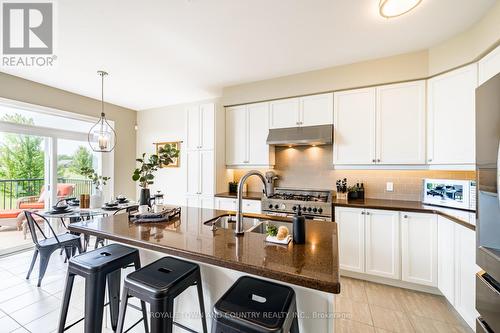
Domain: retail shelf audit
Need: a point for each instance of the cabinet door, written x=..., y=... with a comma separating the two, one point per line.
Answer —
x=193, y=124
x=206, y=202
x=193, y=201
x=225, y=204
x=418, y=248
x=351, y=224
x=207, y=172
x=193, y=172
x=236, y=135
x=284, y=113
x=258, y=129
x=401, y=123
x=446, y=258
x=489, y=65
x=382, y=243
x=316, y=110
x=207, y=126
x=465, y=273
x=451, y=117
x=354, y=122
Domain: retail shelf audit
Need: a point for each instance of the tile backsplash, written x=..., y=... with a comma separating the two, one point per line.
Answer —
x=311, y=167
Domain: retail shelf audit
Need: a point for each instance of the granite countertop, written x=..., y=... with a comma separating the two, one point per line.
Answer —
x=465, y=218
x=246, y=195
x=313, y=265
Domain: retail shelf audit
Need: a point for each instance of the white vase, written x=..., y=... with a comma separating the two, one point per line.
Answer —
x=96, y=199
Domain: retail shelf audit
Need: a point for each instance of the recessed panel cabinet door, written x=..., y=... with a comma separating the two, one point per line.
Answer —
x=401, y=123
x=207, y=126
x=236, y=135
x=351, y=223
x=193, y=124
x=258, y=129
x=284, y=113
x=446, y=258
x=193, y=172
x=382, y=243
x=419, y=248
x=451, y=117
x=354, y=127
x=316, y=110
x=207, y=172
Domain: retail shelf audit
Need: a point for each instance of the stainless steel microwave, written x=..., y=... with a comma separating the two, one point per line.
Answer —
x=459, y=194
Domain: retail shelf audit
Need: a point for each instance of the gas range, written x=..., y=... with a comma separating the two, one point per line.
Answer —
x=314, y=204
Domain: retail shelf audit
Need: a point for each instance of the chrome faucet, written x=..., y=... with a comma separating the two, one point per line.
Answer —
x=239, y=215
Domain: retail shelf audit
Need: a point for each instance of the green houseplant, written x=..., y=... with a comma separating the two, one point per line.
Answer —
x=98, y=181
x=148, y=165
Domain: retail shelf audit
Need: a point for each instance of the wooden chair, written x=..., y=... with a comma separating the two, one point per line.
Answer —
x=48, y=245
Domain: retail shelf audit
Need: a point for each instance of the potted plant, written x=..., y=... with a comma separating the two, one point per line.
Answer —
x=98, y=181
x=144, y=174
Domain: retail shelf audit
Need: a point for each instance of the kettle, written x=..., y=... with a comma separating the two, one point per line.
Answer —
x=270, y=178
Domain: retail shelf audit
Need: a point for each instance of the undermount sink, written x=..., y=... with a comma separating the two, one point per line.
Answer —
x=250, y=224
x=261, y=228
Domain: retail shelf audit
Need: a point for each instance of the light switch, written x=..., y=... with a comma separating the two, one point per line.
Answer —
x=389, y=187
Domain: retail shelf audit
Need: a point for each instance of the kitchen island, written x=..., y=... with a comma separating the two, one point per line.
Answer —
x=312, y=269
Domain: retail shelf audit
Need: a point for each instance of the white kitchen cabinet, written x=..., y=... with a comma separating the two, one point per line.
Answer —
x=451, y=117
x=249, y=206
x=247, y=127
x=354, y=123
x=446, y=258
x=489, y=65
x=200, y=201
x=310, y=110
x=284, y=113
x=382, y=243
x=400, y=119
x=200, y=172
x=200, y=123
x=419, y=248
x=351, y=225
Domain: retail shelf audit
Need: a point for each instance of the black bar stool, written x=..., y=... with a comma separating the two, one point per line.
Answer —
x=97, y=267
x=158, y=284
x=257, y=306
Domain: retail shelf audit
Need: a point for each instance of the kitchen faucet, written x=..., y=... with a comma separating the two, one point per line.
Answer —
x=239, y=215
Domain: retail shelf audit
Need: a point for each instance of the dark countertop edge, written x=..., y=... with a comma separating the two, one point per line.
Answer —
x=246, y=195
x=429, y=210
x=333, y=288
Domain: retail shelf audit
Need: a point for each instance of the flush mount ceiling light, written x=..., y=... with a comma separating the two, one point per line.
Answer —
x=394, y=8
x=102, y=137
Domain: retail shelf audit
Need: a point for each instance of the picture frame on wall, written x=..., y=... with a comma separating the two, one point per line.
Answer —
x=177, y=145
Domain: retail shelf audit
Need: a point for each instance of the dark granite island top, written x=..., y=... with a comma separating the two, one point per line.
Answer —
x=313, y=265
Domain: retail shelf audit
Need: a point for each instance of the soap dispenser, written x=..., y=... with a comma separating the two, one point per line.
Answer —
x=299, y=227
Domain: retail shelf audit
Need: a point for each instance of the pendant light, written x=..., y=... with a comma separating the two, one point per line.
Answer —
x=102, y=137
x=395, y=8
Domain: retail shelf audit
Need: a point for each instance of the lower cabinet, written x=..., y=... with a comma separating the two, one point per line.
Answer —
x=200, y=201
x=419, y=248
x=249, y=206
x=351, y=225
x=446, y=258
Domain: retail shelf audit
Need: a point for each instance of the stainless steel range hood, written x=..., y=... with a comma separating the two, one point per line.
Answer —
x=302, y=136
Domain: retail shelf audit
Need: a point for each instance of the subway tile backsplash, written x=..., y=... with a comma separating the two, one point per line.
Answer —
x=311, y=167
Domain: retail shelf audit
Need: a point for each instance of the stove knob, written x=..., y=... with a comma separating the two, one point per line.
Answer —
x=294, y=208
x=283, y=206
x=276, y=206
x=304, y=209
x=315, y=209
x=320, y=210
x=270, y=206
x=309, y=209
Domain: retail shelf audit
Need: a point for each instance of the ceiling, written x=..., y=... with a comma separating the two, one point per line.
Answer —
x=168, y=52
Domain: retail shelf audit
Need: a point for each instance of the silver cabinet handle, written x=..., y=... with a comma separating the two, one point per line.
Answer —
x=429, y=160
x=374, y=160
x=405, y=216
x=367, y=213
x=378, y=160
x=362, y=213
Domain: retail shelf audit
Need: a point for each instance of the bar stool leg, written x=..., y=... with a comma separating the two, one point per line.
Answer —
x=114, y=296
x=202, y=304
x=70, y=278
x=95, y=288
x=295, y=323
x=161, y=316
x=137, y=264
x=123, y=310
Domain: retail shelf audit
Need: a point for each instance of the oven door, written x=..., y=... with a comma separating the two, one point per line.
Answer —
x=488, y=301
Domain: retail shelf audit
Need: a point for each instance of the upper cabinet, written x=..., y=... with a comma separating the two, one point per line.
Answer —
x=200, y=124
x=451, y=117
x=302, y=111
x=380, y=125
x=247, y=127
x=489, y=66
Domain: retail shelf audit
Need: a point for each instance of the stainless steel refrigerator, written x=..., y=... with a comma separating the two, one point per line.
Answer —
x=488, y=205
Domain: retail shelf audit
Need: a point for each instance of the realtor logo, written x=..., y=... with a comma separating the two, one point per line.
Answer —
x=27, y=28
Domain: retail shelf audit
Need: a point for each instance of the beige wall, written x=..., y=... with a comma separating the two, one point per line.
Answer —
x=312, y=167
x=19, y=89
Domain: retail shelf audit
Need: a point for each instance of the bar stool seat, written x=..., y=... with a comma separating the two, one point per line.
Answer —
x=158, y=284
x=98, y=267
x=255, y=305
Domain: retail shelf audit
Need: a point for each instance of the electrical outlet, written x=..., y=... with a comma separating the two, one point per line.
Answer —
x=389, y=187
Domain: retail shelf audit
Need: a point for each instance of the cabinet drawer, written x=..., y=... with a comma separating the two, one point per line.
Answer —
x=251, y=206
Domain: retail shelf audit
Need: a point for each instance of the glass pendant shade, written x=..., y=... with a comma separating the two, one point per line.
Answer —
x=394, y=8
x=102, y=137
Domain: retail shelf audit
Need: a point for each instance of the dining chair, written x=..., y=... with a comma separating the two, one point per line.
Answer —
x=46, y=246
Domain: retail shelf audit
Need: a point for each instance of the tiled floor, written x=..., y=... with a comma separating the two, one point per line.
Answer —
x=369, y=307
